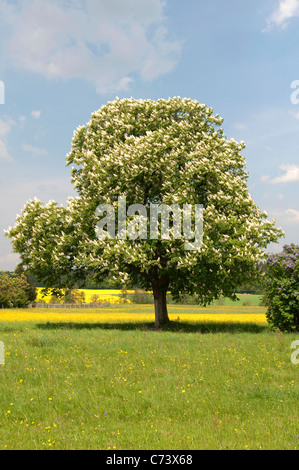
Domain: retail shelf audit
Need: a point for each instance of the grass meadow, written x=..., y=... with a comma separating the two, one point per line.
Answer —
x=215, y=378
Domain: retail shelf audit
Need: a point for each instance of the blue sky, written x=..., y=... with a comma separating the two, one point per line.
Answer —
x=63, y=59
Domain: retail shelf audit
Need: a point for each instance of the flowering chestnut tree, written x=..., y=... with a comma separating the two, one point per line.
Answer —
x=170, y=152
x=282, y=288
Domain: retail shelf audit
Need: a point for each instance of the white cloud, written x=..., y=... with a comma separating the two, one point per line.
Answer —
x=36, y=114
x=294, y=114
x=145, y=12
x=9, y=261
x=286, y=9
x=5, y=127
x=293, y=215
x=105, y=43
x=240, y=126
x=34, y=150
x=291, y=174
x=265, y=178
x=4, y=153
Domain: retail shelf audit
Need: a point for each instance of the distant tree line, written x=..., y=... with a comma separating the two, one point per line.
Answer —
x=19, y=288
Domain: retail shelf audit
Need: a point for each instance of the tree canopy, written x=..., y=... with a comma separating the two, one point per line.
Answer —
x=171, y=152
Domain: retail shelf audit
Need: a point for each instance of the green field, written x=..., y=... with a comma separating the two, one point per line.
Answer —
x=127, y=386
x=243, y=299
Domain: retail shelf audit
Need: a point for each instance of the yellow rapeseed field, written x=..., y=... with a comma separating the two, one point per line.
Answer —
x=111, y=296
x=114, y=315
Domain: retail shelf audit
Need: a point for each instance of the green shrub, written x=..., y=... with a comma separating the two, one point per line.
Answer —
x=74, y=296
x=220, y=301
x=247, y=303
x=15, y=290
x=141, y=297
x=282, y=289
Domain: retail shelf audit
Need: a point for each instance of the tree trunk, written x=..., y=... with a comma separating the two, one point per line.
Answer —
x=160, y=286
x=161, y=314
